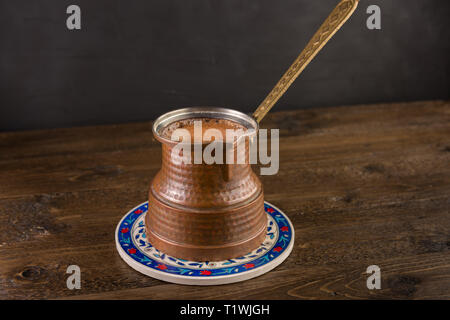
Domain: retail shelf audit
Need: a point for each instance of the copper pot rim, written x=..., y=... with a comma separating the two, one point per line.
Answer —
x=203, y=112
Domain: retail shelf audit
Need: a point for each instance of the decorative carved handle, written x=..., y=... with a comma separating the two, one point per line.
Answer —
x=331, y=25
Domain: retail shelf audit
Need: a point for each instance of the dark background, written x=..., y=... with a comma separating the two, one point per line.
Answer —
x=133, y=60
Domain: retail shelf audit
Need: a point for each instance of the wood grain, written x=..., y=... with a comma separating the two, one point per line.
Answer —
x=363, y=185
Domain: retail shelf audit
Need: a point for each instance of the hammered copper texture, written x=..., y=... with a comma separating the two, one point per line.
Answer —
x=205, y=212
x=206, y=227
x=206, y=236
x=204, y=186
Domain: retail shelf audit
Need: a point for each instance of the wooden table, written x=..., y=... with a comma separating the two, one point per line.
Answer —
x=363, y=185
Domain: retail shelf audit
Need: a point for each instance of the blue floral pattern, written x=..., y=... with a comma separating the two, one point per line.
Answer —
x=132, y=240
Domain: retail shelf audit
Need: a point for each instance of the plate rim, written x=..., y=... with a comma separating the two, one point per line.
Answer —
x=202, y=281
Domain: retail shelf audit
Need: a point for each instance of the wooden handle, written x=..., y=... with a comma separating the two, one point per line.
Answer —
x=330, y=26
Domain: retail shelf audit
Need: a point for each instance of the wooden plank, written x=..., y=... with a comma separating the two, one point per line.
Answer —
x=363, y=185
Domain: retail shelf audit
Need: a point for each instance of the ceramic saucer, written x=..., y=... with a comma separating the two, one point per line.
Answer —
x=138, y=253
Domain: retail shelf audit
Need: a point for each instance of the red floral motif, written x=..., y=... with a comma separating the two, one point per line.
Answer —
x=138, y=211
x=270, y=210
x=248, y=265
x=124, y=230
x=277, y=249
x=161, y=267
x=132, y=250
x=205, y=272
x=284, y=229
